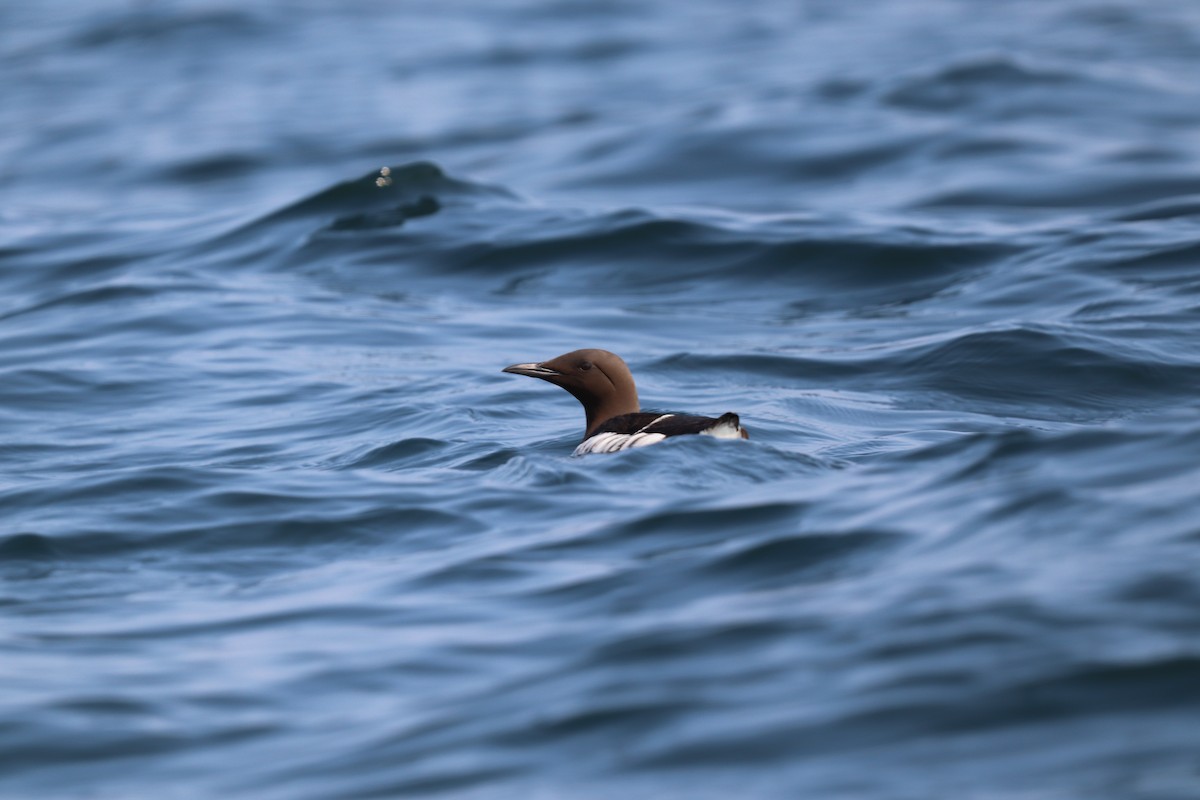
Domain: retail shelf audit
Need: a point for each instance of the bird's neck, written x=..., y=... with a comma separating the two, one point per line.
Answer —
x=599, y=413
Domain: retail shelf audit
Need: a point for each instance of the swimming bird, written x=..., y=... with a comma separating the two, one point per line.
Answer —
x=602, y=382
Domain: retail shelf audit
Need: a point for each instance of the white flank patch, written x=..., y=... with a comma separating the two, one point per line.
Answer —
x=726, y=430
x=613, y=442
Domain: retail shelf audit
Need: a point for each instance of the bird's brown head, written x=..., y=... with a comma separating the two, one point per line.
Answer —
x=597, y=378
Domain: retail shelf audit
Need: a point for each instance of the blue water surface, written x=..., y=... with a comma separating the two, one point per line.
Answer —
x=274, y=524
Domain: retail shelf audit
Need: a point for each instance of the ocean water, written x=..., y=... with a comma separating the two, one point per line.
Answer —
x=274, y=525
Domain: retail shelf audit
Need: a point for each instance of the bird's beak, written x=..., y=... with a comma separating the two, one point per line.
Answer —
x=534, y=371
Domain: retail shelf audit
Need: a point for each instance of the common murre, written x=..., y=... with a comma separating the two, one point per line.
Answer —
x=601, y=381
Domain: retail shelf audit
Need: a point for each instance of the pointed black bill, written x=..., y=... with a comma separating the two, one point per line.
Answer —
x=533, y=371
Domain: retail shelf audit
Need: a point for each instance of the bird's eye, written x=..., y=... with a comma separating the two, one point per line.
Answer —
x=585, y=365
